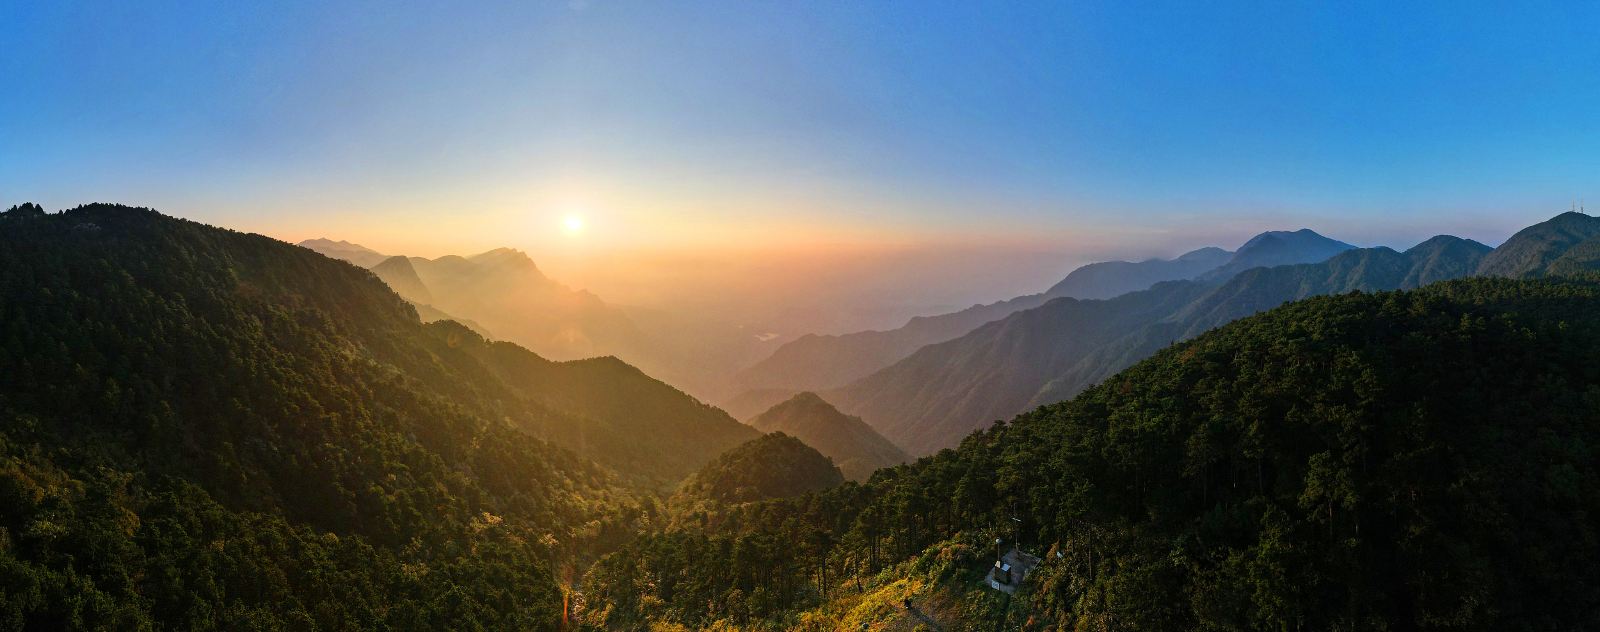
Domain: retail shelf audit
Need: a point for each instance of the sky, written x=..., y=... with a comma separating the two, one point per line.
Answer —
x=898, y=156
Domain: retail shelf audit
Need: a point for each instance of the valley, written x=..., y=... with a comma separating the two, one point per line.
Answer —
x=333, y=405
x=594, y=316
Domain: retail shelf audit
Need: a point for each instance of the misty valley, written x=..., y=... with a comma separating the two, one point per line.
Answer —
x=850, y=316
x=219, y=430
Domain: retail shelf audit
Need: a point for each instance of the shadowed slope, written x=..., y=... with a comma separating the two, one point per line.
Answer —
x=203, y=427
x=851, y=443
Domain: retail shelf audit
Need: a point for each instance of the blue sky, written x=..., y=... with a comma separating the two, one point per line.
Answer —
x=1115, y=128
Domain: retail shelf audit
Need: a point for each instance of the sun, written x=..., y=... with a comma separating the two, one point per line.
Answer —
x=572, y=223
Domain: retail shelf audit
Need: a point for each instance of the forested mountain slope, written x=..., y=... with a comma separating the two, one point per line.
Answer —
x=1398, y=460
x=625, y=419
x=851, y=443
x=1533, y=249
x=816, y=362
x=820, y=363
x=1052, y=352
x=1276, y=248
x=1581, y=258
x=770, y=466
x=504, y=292
x=209, y=429
x=944, y=391
x=1364, y=269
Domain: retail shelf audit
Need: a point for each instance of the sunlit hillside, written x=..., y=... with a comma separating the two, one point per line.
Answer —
x=597, y=316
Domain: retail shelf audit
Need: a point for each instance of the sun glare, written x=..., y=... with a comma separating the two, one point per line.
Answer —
x=572, y=224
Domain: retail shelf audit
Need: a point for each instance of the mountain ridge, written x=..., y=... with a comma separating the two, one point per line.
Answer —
x=1278, y=247
x=1531, y=250
x=996, y=371
x=854, y=446
x=814, y=362
x=504, y=291
x=1109, y=279
x=1323, y=464
x=206, y=425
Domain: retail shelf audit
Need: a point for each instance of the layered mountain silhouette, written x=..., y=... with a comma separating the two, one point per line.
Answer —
x=354, y=253
x=755, y=401
x=1419, y=459
x=816, y=362
x=614, y=413
x=1365, y=270
x=402, y=277
x=1115, y=278
x=212, y=429
x=854, y=446
x=1276, y=248
x=942, y=392
x=502, y=293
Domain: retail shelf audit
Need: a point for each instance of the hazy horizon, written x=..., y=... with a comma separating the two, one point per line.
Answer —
x=839, y=287
x=797, y=342
x=857, y=286
x=848, y=158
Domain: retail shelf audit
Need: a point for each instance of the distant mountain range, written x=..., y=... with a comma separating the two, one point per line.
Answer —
x=756, y=401
x=201, y=427
x=1276, y=248
x=854, y=446
x=940, y=393
x=1410, y=460
x=1115, y=278
x=925, y=385
x=817, y=362
x=503, y=294
x=814, y=362
x=354, y=253
x=613, y=413
x=209, y=429
x=402, y=277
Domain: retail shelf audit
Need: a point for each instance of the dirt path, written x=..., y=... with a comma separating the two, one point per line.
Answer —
x=934, y=625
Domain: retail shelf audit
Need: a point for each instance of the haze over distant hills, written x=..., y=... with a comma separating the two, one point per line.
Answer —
x=203, y=428
x=174, y=386
x=1276, y=248
x=1115, y=278
x=930, y=382
x=1409, y=460
x=354, y=253
x=617, y=415
x=815, y=362
x=502, y=293
x=940, y=393
x=401, y=275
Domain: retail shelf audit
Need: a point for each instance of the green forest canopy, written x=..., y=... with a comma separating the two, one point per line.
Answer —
x=212, y=430
x=1397, y=460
